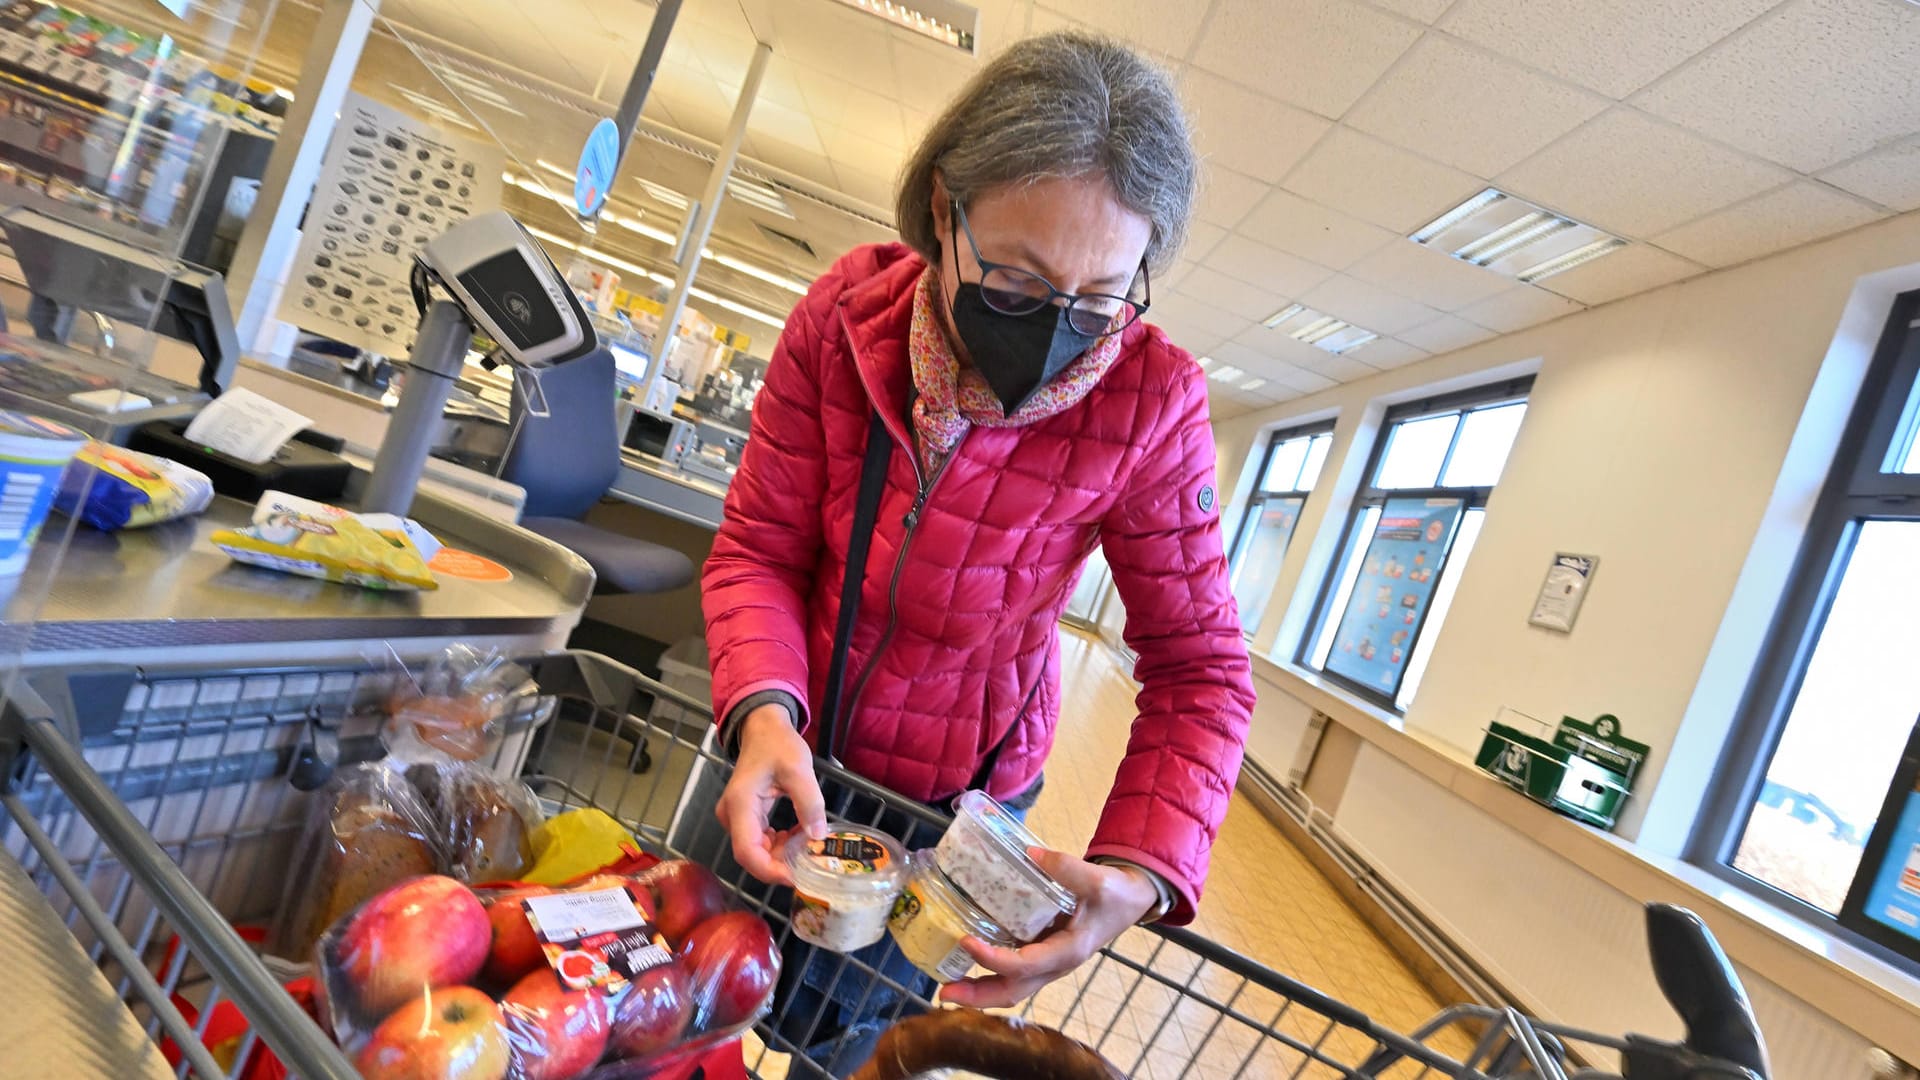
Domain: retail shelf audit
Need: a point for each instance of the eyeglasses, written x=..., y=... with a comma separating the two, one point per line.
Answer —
x=1010, y=290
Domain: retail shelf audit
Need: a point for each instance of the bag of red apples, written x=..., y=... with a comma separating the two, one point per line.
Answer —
x=616, y=977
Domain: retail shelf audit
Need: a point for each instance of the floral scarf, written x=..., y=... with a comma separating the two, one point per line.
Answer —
x=950, y=398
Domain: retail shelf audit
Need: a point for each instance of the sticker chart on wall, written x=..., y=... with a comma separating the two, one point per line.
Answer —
x=389, y=184
x=1391, y=595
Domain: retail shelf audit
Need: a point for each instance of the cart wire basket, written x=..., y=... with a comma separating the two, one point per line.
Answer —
x=155, y=810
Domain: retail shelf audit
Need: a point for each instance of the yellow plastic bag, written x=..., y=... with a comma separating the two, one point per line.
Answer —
x=567, y=846
x=298, y=536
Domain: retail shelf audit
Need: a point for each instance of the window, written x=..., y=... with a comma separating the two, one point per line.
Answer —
x=1835, y=698
x=1293, y=462
x=1416, y=520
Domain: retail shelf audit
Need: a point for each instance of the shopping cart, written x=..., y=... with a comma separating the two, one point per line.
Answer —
x=155, y=810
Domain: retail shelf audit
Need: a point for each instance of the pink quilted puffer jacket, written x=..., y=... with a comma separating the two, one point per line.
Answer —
x=957, y=645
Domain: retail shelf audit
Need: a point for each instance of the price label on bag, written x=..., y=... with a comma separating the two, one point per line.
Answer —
x=600, y=938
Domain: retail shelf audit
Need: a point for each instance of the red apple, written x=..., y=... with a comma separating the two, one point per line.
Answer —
x=514, y=950
x=424, y=933
x=453, y=1033
x=689, y=895
x=733, y=964
x=555, y=1033
x=654, y=1013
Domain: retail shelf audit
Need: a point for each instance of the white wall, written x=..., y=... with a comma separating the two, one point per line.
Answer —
x=1682, y=437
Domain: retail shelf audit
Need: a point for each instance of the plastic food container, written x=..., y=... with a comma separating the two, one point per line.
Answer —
x=33, y=454
x=932, y=917
x=985, y=854
x=845, y=884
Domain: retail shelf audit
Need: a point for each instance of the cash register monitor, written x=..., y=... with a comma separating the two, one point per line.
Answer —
x=630, y=363
x=76, y=268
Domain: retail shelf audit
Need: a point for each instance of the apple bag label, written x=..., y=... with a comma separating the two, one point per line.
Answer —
x=599, y=938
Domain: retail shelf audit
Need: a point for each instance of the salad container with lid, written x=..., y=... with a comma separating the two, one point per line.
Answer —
x=985, y=854
x=933, y=917
x=844, y=885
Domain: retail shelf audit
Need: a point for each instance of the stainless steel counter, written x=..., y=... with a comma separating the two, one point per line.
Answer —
x=166, y=593
x=647, y=481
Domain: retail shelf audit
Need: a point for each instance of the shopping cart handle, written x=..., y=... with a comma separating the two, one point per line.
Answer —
x=1701, y=985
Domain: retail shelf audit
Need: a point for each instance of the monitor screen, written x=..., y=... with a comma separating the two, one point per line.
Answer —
x=632, y=364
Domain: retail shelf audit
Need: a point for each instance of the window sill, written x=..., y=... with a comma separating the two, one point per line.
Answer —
x=1870, y=996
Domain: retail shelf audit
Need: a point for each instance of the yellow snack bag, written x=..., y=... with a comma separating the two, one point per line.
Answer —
x=577, y=842
x=295, y=536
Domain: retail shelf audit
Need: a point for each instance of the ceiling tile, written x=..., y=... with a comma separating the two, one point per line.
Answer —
x=1257, y=264
x=1201, y=239
x=1250, y=301
x=1317, y=54
x=1820, y=81
x=1436, y=280
x=1312, y=231
x=834, y=101
x=1263, y=360
x=1222, y=114
x=1350, y=368
x=1636, y=176
x=1225, y=196
x=1389, y=353
x=795, y=159
x=790, y=126
x=1445, y=334
x=1379, y=182
x=928, y=75
x=847, y=146
x=1370, y=306
x=1469, y=108
x=1890, y=176
x=1803, y=211
x=876, y=190
x=1152, y=24
x=1518, y=308
x=1632, y=269
x=1424, y=10
x=1181, y=310
x=1613, y=46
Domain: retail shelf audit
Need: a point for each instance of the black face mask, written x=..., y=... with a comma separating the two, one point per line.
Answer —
x=1016, y=354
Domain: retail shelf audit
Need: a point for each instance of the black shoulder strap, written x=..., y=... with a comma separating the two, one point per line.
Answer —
x=873, y=482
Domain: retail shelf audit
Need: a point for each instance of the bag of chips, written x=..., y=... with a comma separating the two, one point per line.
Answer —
x=312, y=539
x=111, y=488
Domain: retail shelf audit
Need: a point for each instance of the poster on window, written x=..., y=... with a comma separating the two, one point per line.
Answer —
x=1391, y=594
x=388, y=184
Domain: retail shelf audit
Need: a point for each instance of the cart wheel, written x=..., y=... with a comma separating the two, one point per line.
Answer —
x=641, y=760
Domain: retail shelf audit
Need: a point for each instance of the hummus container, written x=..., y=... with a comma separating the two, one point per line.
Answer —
x=932, y=917
x=985, y=855
x=33, y=454
x=845, y=884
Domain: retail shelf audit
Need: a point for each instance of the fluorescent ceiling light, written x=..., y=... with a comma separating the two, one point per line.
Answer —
x=1274, y=320
x=660, y=193
x=618, y=263
x=470, y=87
x=434, y=107
x=1511, y=236
x=1226, y=373
x=753, y=271
x=1205, y=362
x=760, y=196
x=944, y=21
x=1253, y=384
x=1322, y=331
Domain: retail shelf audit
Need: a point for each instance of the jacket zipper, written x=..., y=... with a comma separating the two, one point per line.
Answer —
x=912, y=523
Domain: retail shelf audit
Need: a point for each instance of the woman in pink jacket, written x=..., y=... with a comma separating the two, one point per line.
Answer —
x=1017, y=412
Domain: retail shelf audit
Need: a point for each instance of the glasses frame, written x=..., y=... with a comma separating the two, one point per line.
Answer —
x=1134, y=308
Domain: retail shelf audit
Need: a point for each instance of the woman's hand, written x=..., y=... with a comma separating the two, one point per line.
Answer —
x=1112, y=899
x=774, y=761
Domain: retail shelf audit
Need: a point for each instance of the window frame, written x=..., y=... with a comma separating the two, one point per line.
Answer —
x=1370, y=497
x=1856, y=490
x=1243, y=532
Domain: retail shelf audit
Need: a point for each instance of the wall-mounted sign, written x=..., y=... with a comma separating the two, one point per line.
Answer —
x=389, y=184
x=598, y=160
x=1563, y=591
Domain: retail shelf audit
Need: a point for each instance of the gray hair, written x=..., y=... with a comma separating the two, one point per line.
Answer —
x=1054, y=106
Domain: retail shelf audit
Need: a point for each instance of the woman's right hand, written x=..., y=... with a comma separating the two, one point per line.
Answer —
x=774, y=761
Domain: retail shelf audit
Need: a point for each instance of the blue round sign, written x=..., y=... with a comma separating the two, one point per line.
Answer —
x=598, y=159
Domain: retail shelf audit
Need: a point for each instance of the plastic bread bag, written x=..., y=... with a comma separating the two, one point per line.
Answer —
x=580, y=982
x=312, y=539
x=111, y=488
x=366, y=829
x=454, y=707
x=484, y=823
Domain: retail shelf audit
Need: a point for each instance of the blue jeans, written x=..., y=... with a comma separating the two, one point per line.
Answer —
x=829, y=1008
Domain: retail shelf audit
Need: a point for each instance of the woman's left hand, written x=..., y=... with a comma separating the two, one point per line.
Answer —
x=1112, y=899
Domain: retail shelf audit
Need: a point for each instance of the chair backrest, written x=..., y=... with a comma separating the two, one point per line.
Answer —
x=568, y=458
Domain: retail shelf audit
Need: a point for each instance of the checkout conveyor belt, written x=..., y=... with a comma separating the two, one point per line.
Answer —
x=166, y=594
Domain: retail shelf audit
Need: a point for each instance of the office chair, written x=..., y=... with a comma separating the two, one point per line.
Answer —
x=566, y=460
